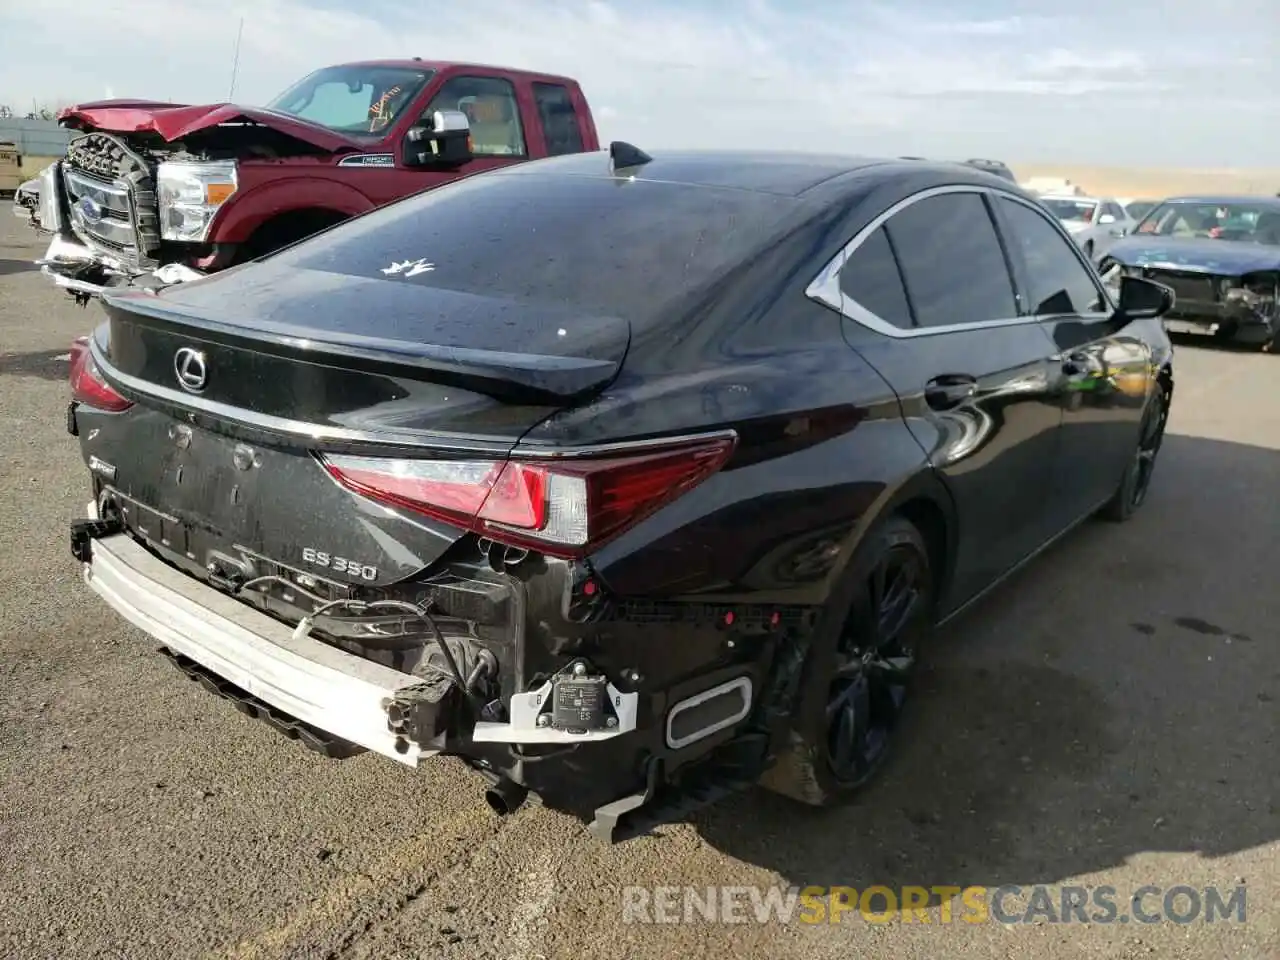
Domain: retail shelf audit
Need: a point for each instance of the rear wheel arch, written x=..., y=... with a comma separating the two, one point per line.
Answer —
x=921, y=511
x=922, y=500
x=926, y=502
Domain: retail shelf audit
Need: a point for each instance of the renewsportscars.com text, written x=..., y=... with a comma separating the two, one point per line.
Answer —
x=939, y=904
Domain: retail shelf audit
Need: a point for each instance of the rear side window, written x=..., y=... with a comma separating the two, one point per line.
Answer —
x=952, y=264
x=1058, y=282
x=559, y=119
x=870, y=277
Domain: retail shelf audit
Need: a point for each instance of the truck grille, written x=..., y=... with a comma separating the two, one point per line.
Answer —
x=1187, y=285
x=111, y=198
x=100, y=211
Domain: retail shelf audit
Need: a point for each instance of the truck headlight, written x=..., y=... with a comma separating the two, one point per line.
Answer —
x=190, y=194
x=48, y=211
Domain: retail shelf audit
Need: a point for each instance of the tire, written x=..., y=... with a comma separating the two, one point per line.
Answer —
x=853, y=701
x=1136, y=483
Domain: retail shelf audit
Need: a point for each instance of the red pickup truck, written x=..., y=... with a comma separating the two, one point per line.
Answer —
x=154, y=193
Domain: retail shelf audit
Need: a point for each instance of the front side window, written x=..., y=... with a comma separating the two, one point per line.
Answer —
x=360, y=101
x=952, y=264
x=492, y=110
x=1058, y=281
x=871, y=278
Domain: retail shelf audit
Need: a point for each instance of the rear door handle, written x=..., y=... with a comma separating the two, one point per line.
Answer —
x=949, y=390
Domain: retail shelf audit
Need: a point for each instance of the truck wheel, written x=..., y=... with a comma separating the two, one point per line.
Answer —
x=856, y=684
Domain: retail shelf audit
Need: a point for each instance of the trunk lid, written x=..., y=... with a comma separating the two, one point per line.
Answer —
x=295, y=362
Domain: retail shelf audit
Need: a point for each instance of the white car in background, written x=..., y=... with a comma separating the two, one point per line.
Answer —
x=1095, y=222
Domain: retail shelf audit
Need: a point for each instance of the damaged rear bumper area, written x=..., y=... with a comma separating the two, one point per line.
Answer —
x=211, y=634
x=575, y=730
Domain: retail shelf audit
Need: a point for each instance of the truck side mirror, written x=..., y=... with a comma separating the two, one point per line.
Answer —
x=442, y=139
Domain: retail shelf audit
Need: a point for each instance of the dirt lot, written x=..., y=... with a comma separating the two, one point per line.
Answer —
x=1154, y=183
x=1110, y=718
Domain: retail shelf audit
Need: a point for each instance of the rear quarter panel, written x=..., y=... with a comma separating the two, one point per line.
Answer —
x=822, y=451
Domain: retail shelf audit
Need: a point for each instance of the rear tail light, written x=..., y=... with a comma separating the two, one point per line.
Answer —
x=563, y=507
x=87, y=385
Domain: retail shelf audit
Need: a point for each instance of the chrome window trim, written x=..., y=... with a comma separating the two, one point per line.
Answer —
x=825, y=287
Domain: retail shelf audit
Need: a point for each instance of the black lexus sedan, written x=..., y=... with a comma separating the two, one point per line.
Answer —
x=632, y=480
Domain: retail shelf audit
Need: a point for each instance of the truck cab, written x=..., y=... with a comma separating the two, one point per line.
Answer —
x=155, y=193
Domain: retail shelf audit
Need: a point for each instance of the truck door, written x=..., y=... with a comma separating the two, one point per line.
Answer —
x=499, y=136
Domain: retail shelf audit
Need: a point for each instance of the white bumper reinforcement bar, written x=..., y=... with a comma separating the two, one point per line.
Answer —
x=322, y=686
x=337, y=692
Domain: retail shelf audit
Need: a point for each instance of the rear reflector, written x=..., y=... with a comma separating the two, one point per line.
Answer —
x=563, y=507
x=87, y=385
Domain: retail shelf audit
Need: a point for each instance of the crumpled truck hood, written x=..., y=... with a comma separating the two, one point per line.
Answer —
x=1229, y=257
x=176, y=121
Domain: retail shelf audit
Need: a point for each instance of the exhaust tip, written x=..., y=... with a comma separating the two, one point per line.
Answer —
x=506, y=797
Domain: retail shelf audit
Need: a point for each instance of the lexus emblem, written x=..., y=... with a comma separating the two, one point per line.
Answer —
x=191, y=370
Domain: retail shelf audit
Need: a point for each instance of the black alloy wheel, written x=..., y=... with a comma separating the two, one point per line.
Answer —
x=875, y=659
x=865, y=682
x=1133, y=489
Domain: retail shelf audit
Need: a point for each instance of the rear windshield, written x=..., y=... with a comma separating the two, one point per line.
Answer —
x=1070, y=210
x=629, y=249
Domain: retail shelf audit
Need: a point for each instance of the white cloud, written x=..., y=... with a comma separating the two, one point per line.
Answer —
x=923, y=78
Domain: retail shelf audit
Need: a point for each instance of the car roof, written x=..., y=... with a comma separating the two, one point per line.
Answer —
x=776, y=172
x=415, y=63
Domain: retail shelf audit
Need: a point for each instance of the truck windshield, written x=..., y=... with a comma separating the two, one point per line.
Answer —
x=358, y=100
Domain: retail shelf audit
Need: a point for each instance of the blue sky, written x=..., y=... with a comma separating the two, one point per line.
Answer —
x=1150, y=82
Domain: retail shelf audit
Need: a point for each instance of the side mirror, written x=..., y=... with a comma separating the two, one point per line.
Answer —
x=441, y=140
x=1142, y=299
x=1107, y=218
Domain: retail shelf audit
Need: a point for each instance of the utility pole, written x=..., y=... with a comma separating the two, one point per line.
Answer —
x=235, y=62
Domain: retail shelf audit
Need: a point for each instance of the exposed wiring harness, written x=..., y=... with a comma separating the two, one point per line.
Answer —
x=465, y=683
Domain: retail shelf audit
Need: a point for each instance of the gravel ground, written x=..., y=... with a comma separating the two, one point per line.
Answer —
x=1110, y=717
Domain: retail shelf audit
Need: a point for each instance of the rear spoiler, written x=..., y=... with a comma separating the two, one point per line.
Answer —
x=518, y=378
